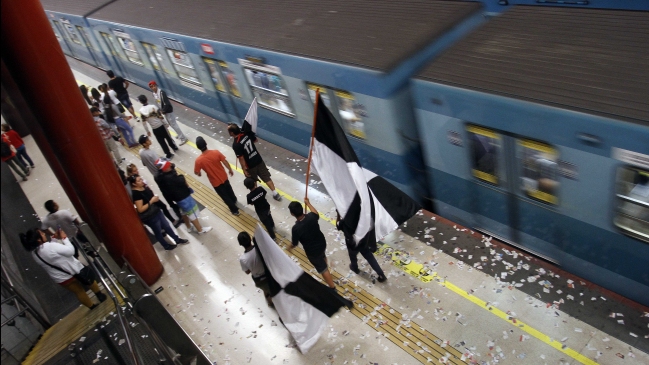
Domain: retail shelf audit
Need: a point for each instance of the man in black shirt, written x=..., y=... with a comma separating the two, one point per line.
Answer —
x=257, y=197
x=251, y=162
x=119, y=85
x=307, y=231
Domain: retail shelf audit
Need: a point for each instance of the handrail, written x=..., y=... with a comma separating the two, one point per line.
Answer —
x=18, y=299
x=154, y=336
x=118, y=309
x=106, y=271
x=634, y=201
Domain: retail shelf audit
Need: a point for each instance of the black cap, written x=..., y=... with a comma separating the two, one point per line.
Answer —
x=143, y=138
x=200, y=143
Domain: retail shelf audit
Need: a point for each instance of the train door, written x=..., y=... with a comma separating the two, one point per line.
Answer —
x=492, y=202
x=113, y=55
x=514, y=188
x=226, y=92
x=86, y=41
x=65, y=37
x=61, y=38
x=160, y=71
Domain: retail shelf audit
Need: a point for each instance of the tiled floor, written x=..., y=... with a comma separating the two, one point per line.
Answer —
x=218, y=305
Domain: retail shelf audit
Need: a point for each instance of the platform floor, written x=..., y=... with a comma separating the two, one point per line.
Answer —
x=452, y=295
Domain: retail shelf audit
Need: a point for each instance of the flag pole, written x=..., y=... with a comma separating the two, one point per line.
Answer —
x=308, y=166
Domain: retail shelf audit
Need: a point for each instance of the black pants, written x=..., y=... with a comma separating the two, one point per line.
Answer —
x=164, y=209
x=267, y=220
x=227, y=194
x=171, y=203
x=163, y=137
x=365, y=251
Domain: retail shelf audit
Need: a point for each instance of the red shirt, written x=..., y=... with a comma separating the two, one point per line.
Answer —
x=15, y=139
x=210, y=161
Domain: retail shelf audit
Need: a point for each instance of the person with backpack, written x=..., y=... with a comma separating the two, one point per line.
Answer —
x=8, y=155
x=167, y=110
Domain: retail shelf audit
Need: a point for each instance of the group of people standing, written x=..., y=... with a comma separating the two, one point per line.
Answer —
x=108, y=104
x=14, y=153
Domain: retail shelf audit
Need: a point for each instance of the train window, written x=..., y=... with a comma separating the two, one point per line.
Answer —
x=485, y=150
x=350, y=113
x=84, y=35
x=632, y=214
x=154, y=57
x=215, y=74
x=109, y=43
x=267, y=85
x=324, y=94
x=539, y=178
x=128, y=46
x=56, y=27
x=230, y=78
x=184, y=67
x=69, y=29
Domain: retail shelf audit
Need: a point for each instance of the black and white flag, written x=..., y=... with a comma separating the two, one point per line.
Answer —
x=303, y=303
x=250, y=123
x=364, y=200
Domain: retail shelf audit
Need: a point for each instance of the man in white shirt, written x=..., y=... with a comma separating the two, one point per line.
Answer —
x=251, y=264
x=151, y=115
x=63, y=219
x=167, y=110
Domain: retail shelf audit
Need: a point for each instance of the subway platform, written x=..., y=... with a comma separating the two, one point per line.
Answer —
x=452, y=296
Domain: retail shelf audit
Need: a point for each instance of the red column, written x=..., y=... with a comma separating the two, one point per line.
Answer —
x=36, y=62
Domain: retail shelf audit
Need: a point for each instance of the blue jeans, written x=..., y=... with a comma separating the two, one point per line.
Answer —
x=126, y=130
x=21, y=153
x=157, y=223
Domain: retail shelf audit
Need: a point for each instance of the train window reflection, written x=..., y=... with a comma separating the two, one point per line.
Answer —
x=215, y=74
x=350, y=112
x=632, y=214
x=231, y=79
x=485, y=149
x=129, y=49
x=270, y=90
x=323, y=94
x=154, y=57
x=539, y=171
x=184, y=66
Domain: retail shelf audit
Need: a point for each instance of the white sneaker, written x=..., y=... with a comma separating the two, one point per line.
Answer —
x=183, y=142
x=205, y=230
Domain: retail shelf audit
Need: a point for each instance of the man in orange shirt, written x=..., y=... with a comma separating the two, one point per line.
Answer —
x=213, y=163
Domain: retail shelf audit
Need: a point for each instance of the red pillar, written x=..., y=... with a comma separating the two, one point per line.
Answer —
x=36, y=62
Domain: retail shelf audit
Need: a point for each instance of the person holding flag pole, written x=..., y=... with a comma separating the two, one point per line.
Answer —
x=367, y=203
x=252, y=164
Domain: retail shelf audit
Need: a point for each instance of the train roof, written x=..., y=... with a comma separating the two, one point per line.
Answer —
x=593, y=61
x=377, y=34
x=73, y=7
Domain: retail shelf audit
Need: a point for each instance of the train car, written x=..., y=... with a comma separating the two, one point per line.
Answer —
x=535, y=130
x=215, y=57
x=71, y=29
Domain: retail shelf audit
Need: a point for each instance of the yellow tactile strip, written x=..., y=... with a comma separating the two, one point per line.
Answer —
x=412, y=338
x=58, y=337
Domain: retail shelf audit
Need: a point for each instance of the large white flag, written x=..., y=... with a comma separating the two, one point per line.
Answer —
x=303, y=303
x=364, y=200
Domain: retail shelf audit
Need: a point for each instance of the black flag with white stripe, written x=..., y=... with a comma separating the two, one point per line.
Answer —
x=303, y=303
x=364, y=200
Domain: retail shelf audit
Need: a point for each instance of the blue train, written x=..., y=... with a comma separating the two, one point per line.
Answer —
x=526, y=120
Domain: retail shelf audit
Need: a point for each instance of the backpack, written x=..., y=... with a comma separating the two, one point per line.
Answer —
x=5, y=151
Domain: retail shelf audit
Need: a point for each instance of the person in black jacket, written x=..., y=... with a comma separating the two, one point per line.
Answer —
x=167, y=110
x=175, y=187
